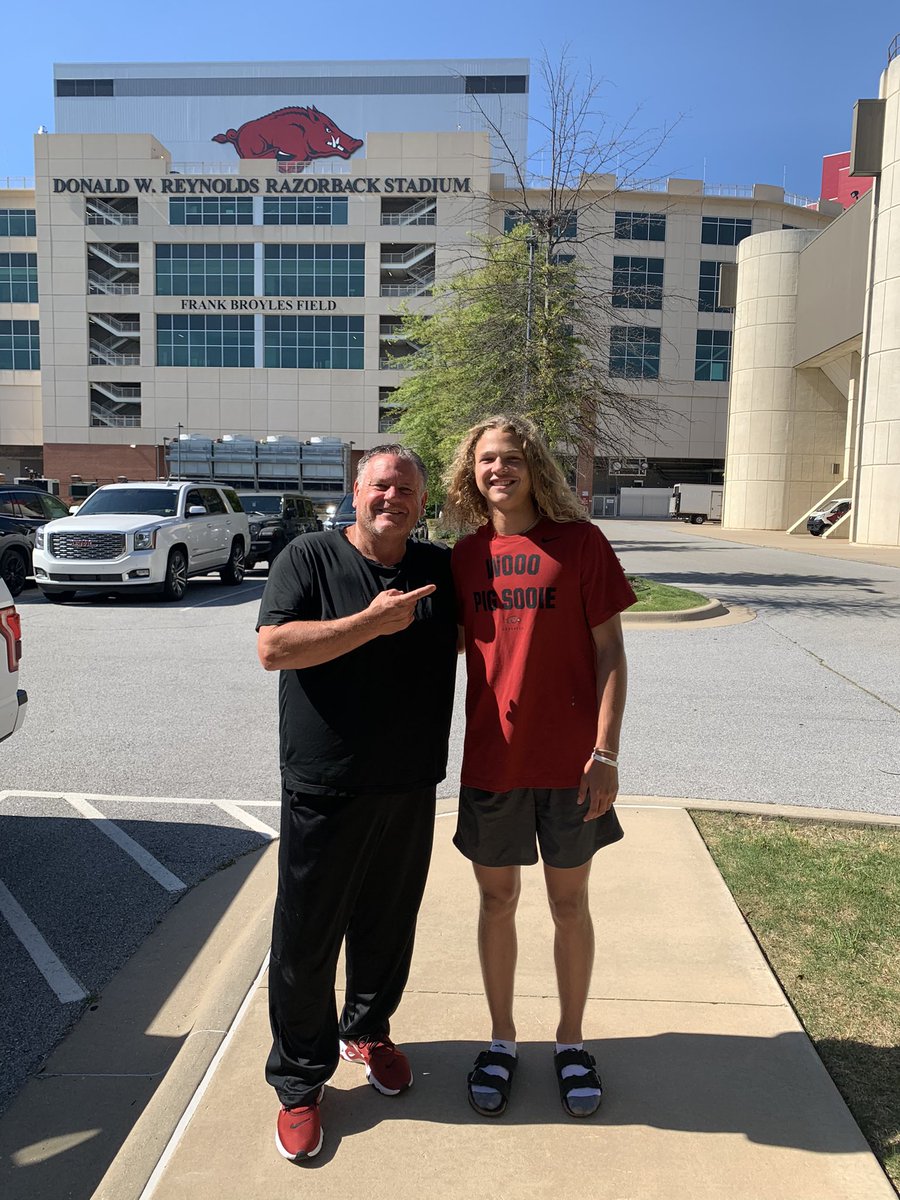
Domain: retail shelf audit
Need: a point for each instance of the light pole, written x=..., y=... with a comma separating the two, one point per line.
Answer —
x=532, y=243
x=180, y=427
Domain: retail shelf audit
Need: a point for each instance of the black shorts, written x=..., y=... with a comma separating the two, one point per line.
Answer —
x=498, y=829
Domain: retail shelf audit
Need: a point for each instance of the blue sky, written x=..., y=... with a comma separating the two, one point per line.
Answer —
x=760, y=91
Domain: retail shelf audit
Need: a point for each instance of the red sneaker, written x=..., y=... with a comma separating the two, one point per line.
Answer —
x=298, y=1133
x=387, y=1068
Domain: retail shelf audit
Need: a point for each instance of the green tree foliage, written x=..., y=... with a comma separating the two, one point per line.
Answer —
x=516, y=333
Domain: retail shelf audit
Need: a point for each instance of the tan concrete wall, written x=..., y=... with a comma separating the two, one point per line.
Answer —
x=20, y=391
x=210, y=401
x=786, y=427
x=832, y=283
x=876, y=518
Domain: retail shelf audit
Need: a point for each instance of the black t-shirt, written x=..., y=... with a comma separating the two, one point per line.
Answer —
x=376, y=719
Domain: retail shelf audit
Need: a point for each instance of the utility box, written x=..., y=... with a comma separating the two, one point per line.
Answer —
x=46, y=485
x=697, y=502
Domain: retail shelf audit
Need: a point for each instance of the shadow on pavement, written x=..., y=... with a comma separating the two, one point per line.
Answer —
x=797, y=591
x=206, y=592
x=677, y=1081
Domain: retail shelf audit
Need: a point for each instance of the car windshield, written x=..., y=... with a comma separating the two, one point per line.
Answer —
x=260, y=504
x=155, y=502
x=345, y=508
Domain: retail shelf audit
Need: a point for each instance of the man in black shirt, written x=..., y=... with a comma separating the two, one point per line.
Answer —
x=361, y=624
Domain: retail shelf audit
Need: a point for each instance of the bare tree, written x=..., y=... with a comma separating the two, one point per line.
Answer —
x=525, y=325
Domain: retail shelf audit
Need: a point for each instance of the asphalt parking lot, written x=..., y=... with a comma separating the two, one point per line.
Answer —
x=148, y=759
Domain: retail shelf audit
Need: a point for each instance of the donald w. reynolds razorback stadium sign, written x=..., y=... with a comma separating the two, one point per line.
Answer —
x=235, y=185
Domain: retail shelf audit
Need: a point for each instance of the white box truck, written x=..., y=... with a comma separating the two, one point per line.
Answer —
x=696, y=502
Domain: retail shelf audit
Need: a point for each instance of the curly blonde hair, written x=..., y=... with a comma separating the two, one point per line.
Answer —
x=552, y=496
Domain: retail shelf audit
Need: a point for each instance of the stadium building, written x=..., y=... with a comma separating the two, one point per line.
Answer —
x=207, y=270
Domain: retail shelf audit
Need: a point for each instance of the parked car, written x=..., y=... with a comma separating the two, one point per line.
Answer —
x=23, y=509
x=826, y=516
x=13, y=700
x=276, y=518
x=345, y=514
x=143, y=537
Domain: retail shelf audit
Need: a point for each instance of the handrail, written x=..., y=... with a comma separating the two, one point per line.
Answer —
x=104, y=219
x=406, y=289
x=113, y=419
x=108, y=287
x=894, y=49
x=98, y=212
x=118, y=258
x=407, y=257
x=113, y=358
x=114, y=325
x=736, y=191
x=426, y=218
x=117, y=391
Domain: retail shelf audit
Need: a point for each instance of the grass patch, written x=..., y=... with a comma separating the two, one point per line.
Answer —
x=824, y=903
x=661, y=597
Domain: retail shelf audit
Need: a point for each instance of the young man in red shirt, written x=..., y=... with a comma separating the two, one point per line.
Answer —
x=539, y=592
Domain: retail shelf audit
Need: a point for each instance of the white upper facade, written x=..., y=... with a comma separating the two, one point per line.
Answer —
x=218, y=113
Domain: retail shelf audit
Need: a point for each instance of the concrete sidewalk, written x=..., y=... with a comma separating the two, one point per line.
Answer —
x=713, y=1089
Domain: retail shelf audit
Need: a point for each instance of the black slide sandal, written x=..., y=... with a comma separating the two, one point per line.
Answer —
x=479, y=1077
x=578, y=1058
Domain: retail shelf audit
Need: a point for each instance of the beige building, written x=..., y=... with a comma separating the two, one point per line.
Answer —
x=814, y=406
x=258, y=299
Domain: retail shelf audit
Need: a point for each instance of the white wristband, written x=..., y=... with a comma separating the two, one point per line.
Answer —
x=602, y=758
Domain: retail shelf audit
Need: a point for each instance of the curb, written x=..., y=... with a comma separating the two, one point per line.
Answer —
x=712, y=611
x=712, y=608
x=134, y=1061
x=237, y=965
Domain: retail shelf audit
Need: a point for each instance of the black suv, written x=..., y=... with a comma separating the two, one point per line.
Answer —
x=22, y=510
x=276, y=518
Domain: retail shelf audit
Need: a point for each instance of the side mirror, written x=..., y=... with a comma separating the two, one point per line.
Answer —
x=73, y=509
x=196, y=510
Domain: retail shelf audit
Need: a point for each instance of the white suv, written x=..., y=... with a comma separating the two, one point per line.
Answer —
x=13, y=700
x=132, y=536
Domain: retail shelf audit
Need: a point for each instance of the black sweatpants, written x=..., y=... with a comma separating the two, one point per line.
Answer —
x=349, y=867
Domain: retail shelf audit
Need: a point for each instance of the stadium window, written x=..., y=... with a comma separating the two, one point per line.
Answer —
x=634, y=352
x=637, y=282
x=713, y=357
x=724, y=231
x=641, y=226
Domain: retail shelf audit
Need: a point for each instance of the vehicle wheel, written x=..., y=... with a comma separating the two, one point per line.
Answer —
x=176, y=580
x=59, y=597
x=233, y=571
x=697, y=519
x=14, y=570
x=817, y=532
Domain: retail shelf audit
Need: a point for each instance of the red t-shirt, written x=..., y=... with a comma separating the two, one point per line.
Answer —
x=528, y=604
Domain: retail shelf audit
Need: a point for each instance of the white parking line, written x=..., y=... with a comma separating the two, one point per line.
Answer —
x=66, y=986
x=218, y=598
x=120, y=799
x=142, y=857
x=235, y=810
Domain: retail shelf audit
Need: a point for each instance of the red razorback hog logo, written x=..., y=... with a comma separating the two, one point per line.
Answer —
x=290, y=135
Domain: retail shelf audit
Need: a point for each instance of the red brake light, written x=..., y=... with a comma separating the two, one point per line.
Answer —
x=11, y=629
